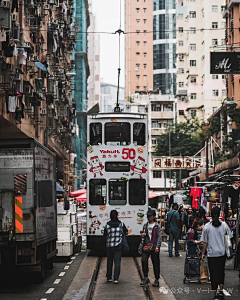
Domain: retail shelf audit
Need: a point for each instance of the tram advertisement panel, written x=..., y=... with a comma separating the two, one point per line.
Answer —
x=117, y=178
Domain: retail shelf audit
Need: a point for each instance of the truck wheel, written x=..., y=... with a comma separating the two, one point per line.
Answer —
x=40, y=275
x=49, y=264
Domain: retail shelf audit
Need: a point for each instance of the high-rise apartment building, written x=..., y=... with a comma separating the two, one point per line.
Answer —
x=164, y=46
x=139, y=45
x=231, y=14
x=94, y=61
x=200, y=30
x=108, y=97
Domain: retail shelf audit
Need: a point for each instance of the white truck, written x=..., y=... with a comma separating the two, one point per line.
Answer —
x=28, y=209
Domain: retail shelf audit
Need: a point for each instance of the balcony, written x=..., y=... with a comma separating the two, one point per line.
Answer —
x=232, y=2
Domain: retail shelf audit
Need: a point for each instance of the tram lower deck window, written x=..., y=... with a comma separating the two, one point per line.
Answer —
x=137, y=191
x=97, y=191
x=139, y=136
x=117, y=134
x=117, y=192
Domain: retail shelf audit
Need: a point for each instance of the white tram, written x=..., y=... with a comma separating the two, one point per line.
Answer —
x=117, y=174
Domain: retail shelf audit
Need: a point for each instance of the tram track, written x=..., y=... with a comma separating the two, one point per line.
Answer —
x=94, y=279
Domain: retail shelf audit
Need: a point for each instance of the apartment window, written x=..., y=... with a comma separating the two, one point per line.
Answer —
x=181, y=57
x=156, y=107
x=145, y=54
x=214, y=24
x=137, y=88
x=223, y=76
x=181, y=84
x=192, y=30
x=180, y=71
x=224, y=93
x=215, y=93
x=138, y=44
x=145, y=44
x=145, y=88
x=193, y=47
x=145, y=66
x=193, y=113
x=144, y=21
x=214, y=76
x=214, y=42
x=193, y=79
x=144, y=10
x=193, y=63
x=138, y=21
x=193, y=96
x=156, y=124
x=180, y=29
x=144, y=32
x=137, y=10
x=180, y=43
x=181, y=112
x=145, y=77
x=138, y=32
x=180, y=16
x=137, y=0
x=214, y=8
x=138, y=77
x=222, y=8
x=138, y=54
x=137, y=67
x=192, y=14
x=154, y=141
x=167, y=107
x=141, y=109
x=157, y=174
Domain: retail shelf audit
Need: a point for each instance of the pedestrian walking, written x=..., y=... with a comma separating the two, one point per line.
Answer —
x=214, y=242
x=189, y=218
x=113, y=231
x=173, y=219
x=150, y=246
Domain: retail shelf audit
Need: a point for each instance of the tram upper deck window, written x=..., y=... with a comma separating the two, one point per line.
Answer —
x=137, y=191
x=139, y=136
x=117, y=133
x=117, y=192
x=97, y=191
x=95, y=134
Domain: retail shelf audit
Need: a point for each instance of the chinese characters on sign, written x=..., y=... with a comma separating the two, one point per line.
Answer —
x=178, y=162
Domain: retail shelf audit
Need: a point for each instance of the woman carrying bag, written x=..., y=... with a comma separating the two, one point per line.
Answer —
x=150, y=246
x=114, y=231
x=213, y=237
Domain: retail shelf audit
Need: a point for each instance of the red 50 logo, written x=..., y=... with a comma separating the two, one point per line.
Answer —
x=128, y=153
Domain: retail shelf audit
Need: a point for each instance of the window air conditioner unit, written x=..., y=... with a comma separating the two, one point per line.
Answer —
x=46, y=7
x=14, y=18
x=43, y=111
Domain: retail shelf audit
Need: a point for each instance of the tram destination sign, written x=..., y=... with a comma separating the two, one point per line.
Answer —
x=225, y=63
x=177, y=162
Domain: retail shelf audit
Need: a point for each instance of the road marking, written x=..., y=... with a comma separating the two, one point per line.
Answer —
x=44, y=299
x=70, y=262
x=66, y=267
x=226, y=293
x=76, y=254
x=73, y=257
x=57, y=281
x=49, y=291
x=62, y=274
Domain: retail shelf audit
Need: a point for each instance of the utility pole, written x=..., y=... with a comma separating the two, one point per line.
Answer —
x=207, y=160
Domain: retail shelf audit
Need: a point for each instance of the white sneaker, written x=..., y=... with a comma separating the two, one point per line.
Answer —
x=109, y=280
x=115, y=281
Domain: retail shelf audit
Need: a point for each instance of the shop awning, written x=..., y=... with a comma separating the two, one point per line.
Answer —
x=78, y=193
x=59, y=189
x=82, y=198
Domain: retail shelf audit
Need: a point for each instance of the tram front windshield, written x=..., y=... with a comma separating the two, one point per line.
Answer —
x=117, y=134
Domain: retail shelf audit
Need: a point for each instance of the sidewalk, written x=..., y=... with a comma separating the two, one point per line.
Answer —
x=172, y=271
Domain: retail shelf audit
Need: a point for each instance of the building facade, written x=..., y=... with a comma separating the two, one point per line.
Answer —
x=200, y=30
x=161, y=110
x=37, y=41
x=139, y=45
x=164, y=46
x=94, y=61
x=108, y=97
x=82, y=71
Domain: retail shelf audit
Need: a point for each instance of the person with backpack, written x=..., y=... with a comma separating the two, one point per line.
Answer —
x=213, y=238
x=173, y=219
x=150, y=246
x=113, y=231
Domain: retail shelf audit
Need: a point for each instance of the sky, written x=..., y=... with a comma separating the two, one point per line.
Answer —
x=108, y=20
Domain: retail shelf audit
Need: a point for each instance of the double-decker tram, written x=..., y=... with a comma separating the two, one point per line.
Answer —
x=117, y=175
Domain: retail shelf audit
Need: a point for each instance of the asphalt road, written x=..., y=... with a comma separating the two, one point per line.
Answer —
x=13, y=286
x=172, y=270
